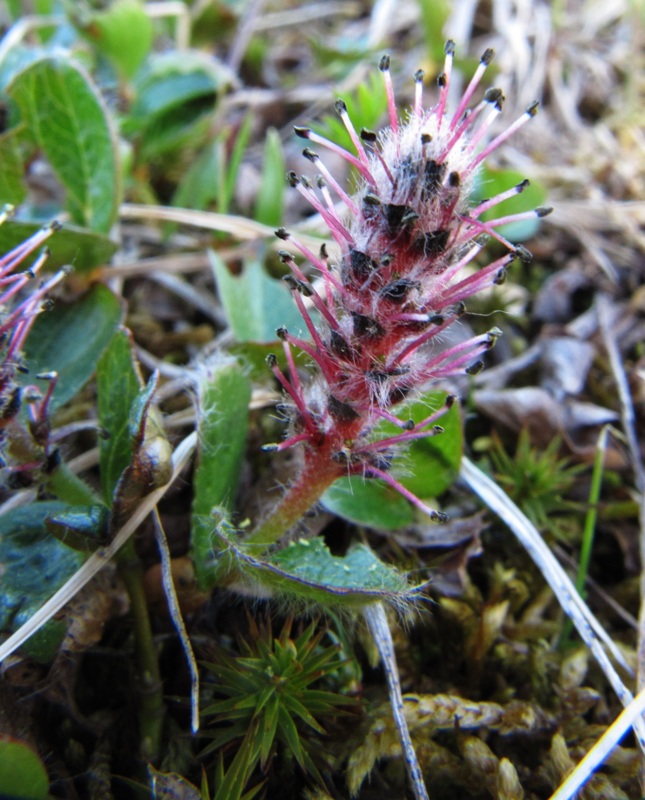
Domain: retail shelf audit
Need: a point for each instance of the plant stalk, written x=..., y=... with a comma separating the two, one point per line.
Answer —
x=151, y=706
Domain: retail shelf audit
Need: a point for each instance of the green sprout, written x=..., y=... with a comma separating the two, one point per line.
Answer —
x=269, y=698
x=538, y=481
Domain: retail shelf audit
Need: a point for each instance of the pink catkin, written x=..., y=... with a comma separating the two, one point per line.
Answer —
x=406, y=234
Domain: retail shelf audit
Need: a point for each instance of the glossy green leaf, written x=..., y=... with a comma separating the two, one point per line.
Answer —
x=70, y=122
x=34, y=566
x=431, y=464
x=223, y=399
x=83, y=528
x=118, y=384
x=270, y=200
x=123, y=33
x=255, y=304
x=80, y=248
x=22, y=774
x=70, y=340
x=306, y=571
x=368, y=502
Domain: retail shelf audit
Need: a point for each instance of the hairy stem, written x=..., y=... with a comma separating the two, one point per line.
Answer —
x=319, y=472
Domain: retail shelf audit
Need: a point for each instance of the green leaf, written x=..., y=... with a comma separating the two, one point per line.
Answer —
x=118, y=384
x=173, y=79
x=432, y=463
x=270, y=200
x=22, y=774
x=493, y=181
x=81, y=248
x=34, y=566
x=306, y=571
x=223, y=400
x=84, y=528
x=368, y=502
x=230, y=178
x=255, y=304
x=12, y=187
x=70, y=122
x=123, y=33
x=70, y=340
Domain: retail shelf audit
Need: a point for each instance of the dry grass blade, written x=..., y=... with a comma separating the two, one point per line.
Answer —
x=603, y=747
x=376, y=619
x=590, y=630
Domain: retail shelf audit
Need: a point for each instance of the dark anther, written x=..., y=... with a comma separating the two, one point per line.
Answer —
x=500, y=278
x=436, y=319
x=368, y=136
x=524, y=253
x=380, y=461
x=442, y=80
x=449, y=47
x=399, y=217
x=47, y=304
x=493, y=336
x=426, y=138
x=282, y=233
x=320, y=182
x=437, y=429
x=362, y=265
x=475, y=369
x=419, y=75
x=340, y=106
x=285, y=256
x=433, y=177
x=55, y=225
x=543, y=211
x=339, y=346
x=304, y=180
x=366, y=327
x=309, y=154
x=432, y=243
x=487, y=56
x=386, y=260
x=298, y=286
x=272, y=360
x=281, y=333
x=384, y=64
x=323, y=252
x=460, y=309
x=495, y=97
x=397, y=291
x=12, y=406
x=270, y=448
x=454, y=179
x=451, y=399
x=533, y=108
x=409, y=425
x=303, y=133
x=398, y=394
x=292, y=178
x=372, y=200
x=439, y=516
x=380, y=376
x=523, y=185
x=341, y=411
